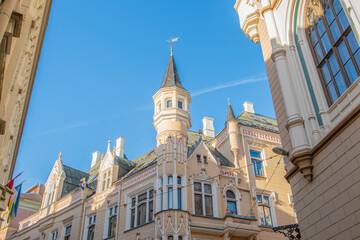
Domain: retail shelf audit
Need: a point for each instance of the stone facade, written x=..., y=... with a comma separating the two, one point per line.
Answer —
x=22, y=29
x=317, y=105
x=192, y=185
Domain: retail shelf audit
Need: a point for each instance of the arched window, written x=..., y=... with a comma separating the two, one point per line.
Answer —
x=334, y=47
x=231, y=201
x=158, y=106
x=169, y=103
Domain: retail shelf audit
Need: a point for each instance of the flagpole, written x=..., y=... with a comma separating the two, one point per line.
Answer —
x=17, y=175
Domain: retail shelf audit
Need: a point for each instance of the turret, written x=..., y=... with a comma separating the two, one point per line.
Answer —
x=171, y=104
x=233, y=131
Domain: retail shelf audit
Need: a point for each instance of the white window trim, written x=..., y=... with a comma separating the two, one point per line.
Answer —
x=263, y=159
x=214, y=197
x=271, y=206
x=86, y=228
x=147, y=201
x=107, y=218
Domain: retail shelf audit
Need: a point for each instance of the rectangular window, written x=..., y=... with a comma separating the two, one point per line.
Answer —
x=203, y=199
x=112, y=226
x=257, y=162
x=91, y=232
x=151, y=210
x=67, y=233
x=179, y=197
x=180, y=104
x=198, y=204
x=208, y=206
x=198, y=158
x=205, y=160
x=141, y=207
x=265, y=217
x=170, y=180
x=141, y=214
x=170, y=198
x=132, y=220
x=54, y=235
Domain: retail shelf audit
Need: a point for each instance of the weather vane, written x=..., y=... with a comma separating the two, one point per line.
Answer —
x=171, y=43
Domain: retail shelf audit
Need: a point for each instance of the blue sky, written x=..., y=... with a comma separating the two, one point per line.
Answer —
x=101, y=63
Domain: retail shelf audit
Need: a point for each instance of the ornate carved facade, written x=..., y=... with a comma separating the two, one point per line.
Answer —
x=22, y=30
x=312, y=56
x=190, y=186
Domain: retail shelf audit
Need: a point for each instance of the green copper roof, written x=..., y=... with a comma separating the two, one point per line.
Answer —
x=258, y=121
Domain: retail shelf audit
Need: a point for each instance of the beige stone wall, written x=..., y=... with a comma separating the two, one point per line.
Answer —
x=275, y=88
x=19, y=65
x=329, y=206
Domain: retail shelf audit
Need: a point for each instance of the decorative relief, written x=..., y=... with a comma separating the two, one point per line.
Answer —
x=313, y=11
x=23, y=77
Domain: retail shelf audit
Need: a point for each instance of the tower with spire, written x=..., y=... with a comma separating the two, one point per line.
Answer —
x=171, y=104
x=233, y=131
x=172, y=121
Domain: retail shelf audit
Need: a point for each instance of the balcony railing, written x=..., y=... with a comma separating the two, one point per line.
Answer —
x=290, y=231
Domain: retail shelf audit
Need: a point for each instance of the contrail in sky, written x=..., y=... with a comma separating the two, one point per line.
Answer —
x=150, y=106
x=227, y=85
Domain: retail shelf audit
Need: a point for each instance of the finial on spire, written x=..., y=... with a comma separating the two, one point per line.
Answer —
x=171, y=44
x=60, y=155
x=229, y=101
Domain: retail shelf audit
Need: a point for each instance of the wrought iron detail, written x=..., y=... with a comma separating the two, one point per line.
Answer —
x=290, y=231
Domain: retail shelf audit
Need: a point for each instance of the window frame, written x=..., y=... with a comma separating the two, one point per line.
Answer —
x=263, y=205
x=258, y=160
x=169, y=103
x=333, y=51
x=145, y=209
x=204, y=195
x=112, y=220
x=67, y=235
x=232, y=200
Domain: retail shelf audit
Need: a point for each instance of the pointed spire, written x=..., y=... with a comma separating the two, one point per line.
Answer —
x=171, y=77
x=108, y=148
x=230, y=113
x=60, y=155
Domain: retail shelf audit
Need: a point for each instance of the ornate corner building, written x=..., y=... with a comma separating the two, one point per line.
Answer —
x=192, y=185
x=22, y=29
x=312, y=56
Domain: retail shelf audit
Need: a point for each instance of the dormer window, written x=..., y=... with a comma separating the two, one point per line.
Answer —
x=169, y=104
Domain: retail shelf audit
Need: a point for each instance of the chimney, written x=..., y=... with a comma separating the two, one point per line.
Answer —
x=208, y=127
x=249, y=107
x=95, y=157
x=119, y=150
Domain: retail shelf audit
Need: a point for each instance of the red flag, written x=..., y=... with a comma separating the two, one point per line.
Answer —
x=10, y=184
